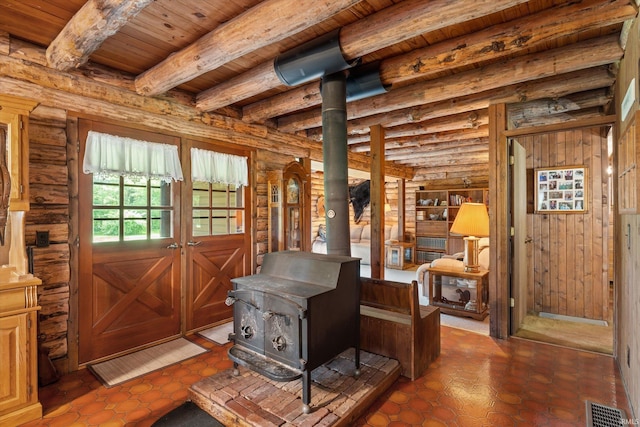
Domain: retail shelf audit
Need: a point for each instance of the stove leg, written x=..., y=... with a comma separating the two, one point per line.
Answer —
x=357, y=358
x=236, y=371
x=306, y=392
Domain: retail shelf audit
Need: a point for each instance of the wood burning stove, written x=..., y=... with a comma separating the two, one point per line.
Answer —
x=299, y=312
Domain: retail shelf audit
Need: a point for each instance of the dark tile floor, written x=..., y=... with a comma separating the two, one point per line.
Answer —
x=477, y=381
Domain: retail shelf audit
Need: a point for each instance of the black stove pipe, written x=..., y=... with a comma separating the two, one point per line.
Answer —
x=334, y=149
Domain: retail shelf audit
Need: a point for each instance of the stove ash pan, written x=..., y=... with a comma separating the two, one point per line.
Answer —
x=300, y=312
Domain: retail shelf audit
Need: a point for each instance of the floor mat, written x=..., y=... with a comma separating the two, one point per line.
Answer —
x=218, y=334
x=466, y=323
x=121, y=369
x=187, y=415
x=576, y=335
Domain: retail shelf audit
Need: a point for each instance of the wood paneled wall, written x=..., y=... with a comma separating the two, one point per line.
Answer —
x=627, y=240
x=569, y=252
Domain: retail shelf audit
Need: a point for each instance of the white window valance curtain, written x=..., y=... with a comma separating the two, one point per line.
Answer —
x=111, y=155
x=212, y=167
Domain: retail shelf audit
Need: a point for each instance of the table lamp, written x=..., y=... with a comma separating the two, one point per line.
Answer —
x=472, y=221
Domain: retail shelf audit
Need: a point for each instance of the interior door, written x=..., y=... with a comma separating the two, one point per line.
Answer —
x=218, y=243
x=129, y=274
x=519, y=258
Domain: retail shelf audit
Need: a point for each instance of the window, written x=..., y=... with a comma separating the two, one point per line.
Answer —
x=126, y=209
x=218, y=209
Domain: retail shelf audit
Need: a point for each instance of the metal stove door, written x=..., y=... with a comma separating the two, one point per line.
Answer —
x=248, y=324
x=282, y=322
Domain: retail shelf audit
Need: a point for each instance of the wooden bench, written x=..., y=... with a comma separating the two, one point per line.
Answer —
x=394, y=324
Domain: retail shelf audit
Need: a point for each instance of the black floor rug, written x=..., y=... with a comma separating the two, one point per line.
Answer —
x=188, y=415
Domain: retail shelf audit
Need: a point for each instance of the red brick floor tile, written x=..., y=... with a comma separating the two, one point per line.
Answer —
x=476, y=381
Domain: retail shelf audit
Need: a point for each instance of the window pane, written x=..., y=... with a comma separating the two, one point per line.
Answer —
x=161, y=223
x=236, y=197
x=200, y=223
x=140, y=222
x=135, y=224
x=219, y=197
x=237, y=222
x=106, y=225
x=200, y=198
x=160, y=193
x=105, y=194
x=219, y=222
x=106, y=231
x=135, y=195
x=293, y=191
x=199, y=185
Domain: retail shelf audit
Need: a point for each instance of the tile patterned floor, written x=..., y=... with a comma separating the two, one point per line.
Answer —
x=477, y=381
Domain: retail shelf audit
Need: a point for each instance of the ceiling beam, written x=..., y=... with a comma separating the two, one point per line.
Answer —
x=550, y=87
x=268, y=22
x=498, y=41
x=402, y=21
x=581, y=55
x=425, y=135
x=415, y=142
x=541, y=111
x=96, y=21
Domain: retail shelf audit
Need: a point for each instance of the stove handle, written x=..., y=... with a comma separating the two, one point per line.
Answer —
x=232, y=298
x=302, y=312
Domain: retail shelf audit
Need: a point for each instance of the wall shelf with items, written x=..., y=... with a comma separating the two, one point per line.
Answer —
x=435, y=212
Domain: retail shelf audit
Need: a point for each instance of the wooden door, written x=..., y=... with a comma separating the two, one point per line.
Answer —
x=218, y=243
x=519, y=257
x=129, y=284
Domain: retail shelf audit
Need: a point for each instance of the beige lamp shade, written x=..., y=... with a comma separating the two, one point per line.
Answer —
x=472, y=220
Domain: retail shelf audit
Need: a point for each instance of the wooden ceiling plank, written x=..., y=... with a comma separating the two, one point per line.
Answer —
x=392, y=25
x=586, y=54
x=268, y=22
x=492, y=43
x=88, y=29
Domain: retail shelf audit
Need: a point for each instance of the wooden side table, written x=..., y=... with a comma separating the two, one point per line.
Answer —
x=458, y=292
x=400, y=255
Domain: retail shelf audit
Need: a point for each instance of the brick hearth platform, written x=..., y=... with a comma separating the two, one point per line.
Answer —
x=337, y=397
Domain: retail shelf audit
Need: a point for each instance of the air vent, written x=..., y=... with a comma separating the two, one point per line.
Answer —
x=604, y=416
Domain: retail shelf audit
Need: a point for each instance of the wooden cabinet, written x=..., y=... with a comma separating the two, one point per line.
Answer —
x=14, y=117
x=459, y=292
x=435, y=213
x=18, y=350
x=628, y=158
x=400, y=255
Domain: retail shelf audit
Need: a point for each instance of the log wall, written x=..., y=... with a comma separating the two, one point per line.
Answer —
x=569, y=252
x=49, y=198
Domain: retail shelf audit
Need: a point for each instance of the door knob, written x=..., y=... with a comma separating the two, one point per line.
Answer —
x=174, y=245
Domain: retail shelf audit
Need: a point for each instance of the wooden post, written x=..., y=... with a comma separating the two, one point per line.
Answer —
x=499, y=236
x=401, y=209
x=377, y=202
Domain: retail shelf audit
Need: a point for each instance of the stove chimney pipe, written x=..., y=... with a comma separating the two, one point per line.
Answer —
x=334, y=149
